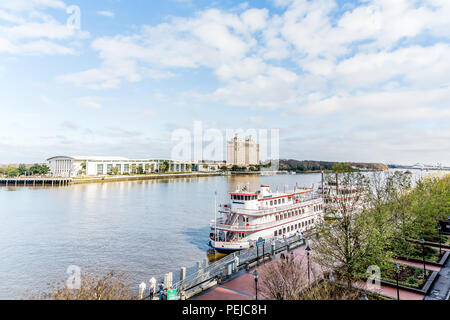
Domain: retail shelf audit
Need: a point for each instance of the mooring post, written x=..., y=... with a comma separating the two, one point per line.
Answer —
x=183, y=273
x=142, y=288
x=199, y=266
x=166, y=281
x=170, y=280
x=206, y=263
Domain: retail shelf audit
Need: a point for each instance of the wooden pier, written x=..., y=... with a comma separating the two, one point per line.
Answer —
x=35, y=182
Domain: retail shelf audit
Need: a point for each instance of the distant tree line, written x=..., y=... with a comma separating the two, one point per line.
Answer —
x=22, y=170
x=311, y=165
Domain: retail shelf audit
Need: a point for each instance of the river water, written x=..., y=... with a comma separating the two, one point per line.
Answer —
x=143, y=228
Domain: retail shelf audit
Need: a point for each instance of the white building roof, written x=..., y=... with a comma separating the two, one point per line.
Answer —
x=90, y=158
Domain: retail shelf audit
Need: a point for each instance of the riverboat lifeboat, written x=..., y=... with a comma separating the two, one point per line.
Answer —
x=252, y=216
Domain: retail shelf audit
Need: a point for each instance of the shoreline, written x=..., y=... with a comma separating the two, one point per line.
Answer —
x=106, y=179
x=143, y=177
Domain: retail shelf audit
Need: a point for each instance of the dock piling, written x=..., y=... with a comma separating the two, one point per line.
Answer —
x=183, y=273
x=142, y=288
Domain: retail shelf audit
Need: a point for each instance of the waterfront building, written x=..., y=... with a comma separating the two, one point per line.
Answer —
x=242, y=152
x=72, y=166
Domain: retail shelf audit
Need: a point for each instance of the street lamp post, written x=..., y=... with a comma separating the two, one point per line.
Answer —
x=257, y=254
x=448, y=224
x=422, y=241
x=440, y=246
x=256, y=275
x=396, y=277
x=308, y=249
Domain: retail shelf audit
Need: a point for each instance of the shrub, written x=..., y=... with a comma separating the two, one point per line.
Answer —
x=112, y=286
x=412, y=280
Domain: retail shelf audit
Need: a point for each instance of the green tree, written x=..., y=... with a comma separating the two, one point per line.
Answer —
x=350, y=241
x=11, y=172
x=341, y=167
x=140, y=169
x=22, y=169
x=115, y=170
x=164, y=167
x=45, y=169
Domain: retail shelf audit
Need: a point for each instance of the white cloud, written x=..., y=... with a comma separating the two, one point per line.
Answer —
x=30, y=30
x=106, y=13
x=89, y=102
x=378, y=61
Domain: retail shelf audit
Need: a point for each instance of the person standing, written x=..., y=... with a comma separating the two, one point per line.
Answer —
x=161, y=291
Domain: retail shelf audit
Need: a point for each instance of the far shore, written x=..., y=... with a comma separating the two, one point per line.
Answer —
x=163, y=176
x=143, y=177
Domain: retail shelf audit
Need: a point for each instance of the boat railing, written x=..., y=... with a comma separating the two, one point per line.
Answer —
x=213, y=270
x=255, y=226
x=262, y=211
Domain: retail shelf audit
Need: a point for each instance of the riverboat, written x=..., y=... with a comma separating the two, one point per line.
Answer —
x=250, y=217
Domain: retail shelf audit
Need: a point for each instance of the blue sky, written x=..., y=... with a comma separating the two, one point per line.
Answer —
x=342, y=80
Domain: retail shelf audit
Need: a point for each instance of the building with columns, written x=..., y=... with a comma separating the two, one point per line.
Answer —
x=73, y=166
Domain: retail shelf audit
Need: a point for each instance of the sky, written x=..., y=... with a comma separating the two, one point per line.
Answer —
x=365, y=80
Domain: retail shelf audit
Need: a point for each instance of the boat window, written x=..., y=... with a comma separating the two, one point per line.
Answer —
x=275, y=233
x=271, y=202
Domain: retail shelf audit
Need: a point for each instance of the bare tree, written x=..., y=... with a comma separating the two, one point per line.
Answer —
x=112, y=286
x=284, y=279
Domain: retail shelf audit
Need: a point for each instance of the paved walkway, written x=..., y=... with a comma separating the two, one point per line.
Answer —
x=391, y=292
x=437, y=247
x=242, y=287
x=418, y=264
x=441, y=286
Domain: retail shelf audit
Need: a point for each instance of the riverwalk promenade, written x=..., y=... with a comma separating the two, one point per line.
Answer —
x=242, y=285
